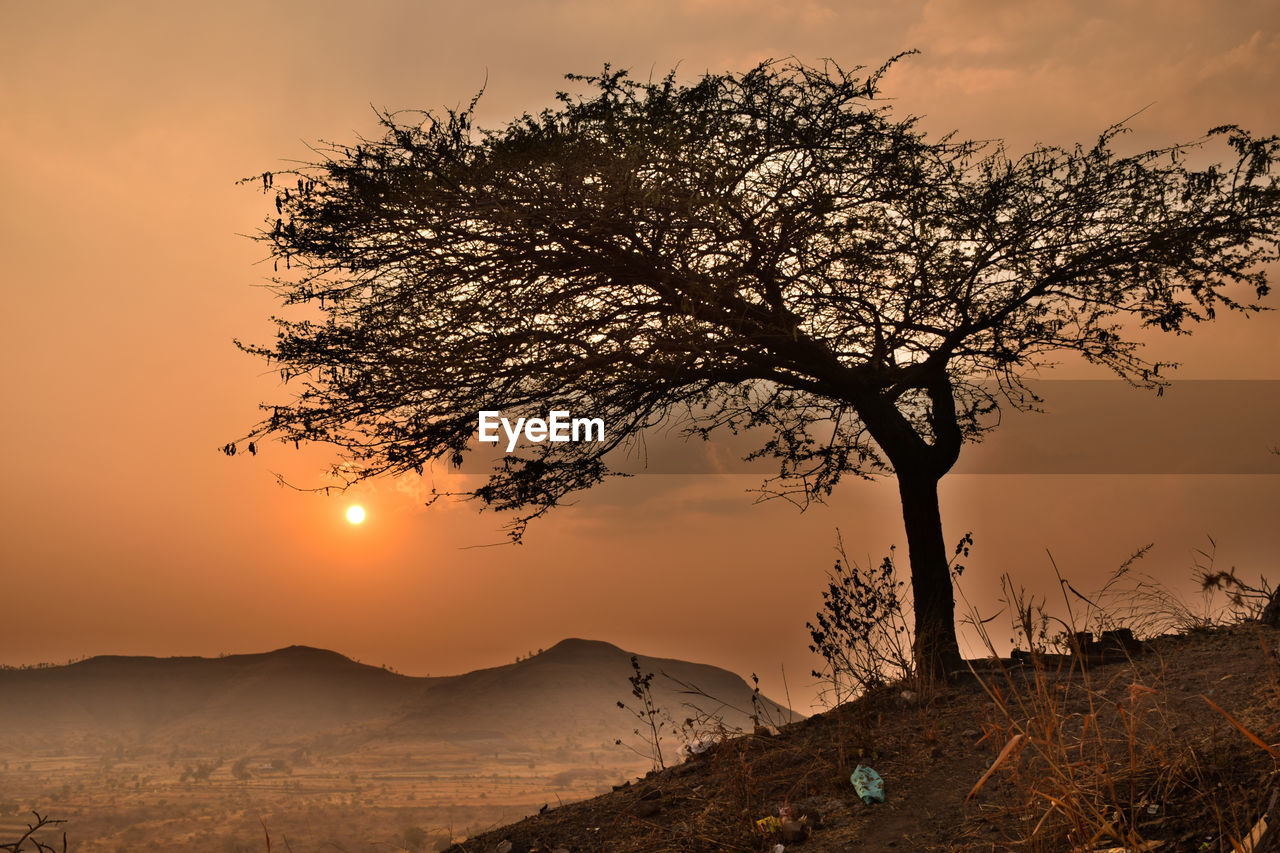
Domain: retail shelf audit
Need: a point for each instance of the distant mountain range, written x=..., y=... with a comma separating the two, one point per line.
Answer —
x=311, y=699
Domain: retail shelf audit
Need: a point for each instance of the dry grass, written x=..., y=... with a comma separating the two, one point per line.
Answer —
x=1111, y=758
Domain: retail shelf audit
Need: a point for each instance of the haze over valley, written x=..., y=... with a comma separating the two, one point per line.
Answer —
x=139, y=752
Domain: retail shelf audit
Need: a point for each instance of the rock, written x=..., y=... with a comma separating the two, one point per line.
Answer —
x=647, y=808
x=794, y=831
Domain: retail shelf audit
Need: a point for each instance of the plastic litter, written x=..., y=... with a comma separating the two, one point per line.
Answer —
x=697, y=746
x=769, y=824
x=868, y=784
x=784, y=827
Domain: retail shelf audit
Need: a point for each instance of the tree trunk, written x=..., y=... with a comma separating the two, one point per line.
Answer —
x=1271, y=613
x=936, y=651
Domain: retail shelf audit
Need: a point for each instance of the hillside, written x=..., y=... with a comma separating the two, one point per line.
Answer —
x=1111, y=758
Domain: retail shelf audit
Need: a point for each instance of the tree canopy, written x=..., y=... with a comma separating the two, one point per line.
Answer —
x=772, y=249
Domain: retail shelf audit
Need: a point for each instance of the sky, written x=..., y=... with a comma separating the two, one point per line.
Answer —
x=123, y=130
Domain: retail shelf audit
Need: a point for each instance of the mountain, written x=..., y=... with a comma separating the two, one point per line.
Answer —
x=576, y=686
x=300, y=695
x=204, y=753
x=227, y=702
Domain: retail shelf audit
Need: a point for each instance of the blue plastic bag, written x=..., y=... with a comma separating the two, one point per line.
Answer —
x=868, y=784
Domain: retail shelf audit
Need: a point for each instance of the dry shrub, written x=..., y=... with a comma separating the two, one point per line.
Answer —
x=862, y=633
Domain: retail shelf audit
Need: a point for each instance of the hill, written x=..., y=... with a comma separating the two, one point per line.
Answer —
x=240, y=702
x=227, y=703
x=1175, y=749
x=575, y=687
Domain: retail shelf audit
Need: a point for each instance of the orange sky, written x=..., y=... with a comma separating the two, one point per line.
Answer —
x=123, y=128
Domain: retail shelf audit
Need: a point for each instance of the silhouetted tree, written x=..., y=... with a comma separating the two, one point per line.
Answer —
x=768, y=249
x=41, y=822
x=415, y=838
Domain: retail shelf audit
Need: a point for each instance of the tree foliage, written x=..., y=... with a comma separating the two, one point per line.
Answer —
x=771, y=249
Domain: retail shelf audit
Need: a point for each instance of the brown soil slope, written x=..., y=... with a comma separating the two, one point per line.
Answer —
x=1159, y=750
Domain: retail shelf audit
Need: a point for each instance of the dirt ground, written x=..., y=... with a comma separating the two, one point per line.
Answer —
x=1156, y=749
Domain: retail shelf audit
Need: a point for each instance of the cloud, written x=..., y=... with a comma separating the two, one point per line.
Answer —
x=1059, y=72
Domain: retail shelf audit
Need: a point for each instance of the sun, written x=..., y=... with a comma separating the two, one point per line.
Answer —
x=355, y=513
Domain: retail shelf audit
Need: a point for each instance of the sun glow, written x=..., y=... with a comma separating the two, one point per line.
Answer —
x=355, y=513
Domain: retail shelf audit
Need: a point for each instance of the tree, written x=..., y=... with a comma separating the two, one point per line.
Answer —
x=770, y=249
x=240, y=769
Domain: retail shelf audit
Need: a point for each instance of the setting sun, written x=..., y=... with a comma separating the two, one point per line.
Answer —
x=355, y=513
